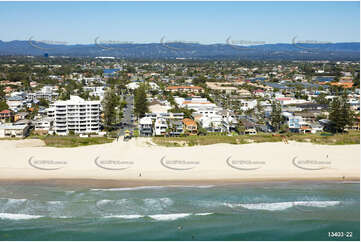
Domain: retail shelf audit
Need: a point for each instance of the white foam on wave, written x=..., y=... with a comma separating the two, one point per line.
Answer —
x=111, y=202
x=201, y=186
x=62, y=217
x=169, y=217
x=15, y=200
x=17, y=216
x=157, y=203
x=69, y=192
x=148, y=187
x=131, y=216
x=103, y=202
x=55, y=202
x=203, y=214
x=127, y=188
x=283, y=205
x=268, y=206
x=159, y=217
x=319, y=204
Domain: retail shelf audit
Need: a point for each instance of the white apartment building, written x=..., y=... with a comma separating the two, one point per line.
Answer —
x=96, y=91
x=47, y=92
x=195, y=103
x=76, y=115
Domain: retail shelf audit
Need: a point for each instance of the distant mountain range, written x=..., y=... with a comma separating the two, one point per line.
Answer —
x=330, y=51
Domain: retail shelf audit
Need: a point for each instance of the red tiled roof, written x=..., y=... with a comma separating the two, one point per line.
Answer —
x=183, y=87
x=188, y=122
x=283, y=98
x=190, y=102
x=5, y=111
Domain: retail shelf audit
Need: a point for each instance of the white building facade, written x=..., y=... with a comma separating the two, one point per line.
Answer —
x=76, y=115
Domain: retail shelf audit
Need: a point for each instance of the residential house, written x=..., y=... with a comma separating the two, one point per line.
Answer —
x=167, y=116
x=226, y=87
x=43, y=125
x=195, y=103
x=229, y=123
x=98, y=91
x=247, y=104
x=186, y=89
x=15, y=103
x=176, y=127
x=6, y=116
x=190, y=126
x=145, y=126
x=249, y=127
x=212, y=123
x=20, y=115
x=160, y=127
x=11, y=130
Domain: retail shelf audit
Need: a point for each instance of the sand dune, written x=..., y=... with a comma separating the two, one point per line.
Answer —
x=142, y=162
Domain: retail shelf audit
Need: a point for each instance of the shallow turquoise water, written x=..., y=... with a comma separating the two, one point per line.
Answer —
x=273, y=211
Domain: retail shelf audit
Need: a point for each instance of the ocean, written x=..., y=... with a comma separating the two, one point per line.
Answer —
x=254, y=211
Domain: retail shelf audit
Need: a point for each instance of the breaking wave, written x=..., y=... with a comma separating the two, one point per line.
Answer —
x=18, y=216
x=158, y=217
x=283, y=205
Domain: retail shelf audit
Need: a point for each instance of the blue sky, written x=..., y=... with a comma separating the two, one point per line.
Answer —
x=204, y=22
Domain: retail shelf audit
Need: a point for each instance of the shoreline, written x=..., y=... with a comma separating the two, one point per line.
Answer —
x=109, y=184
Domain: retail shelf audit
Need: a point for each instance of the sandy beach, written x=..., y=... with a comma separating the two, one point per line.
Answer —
x=139, y=162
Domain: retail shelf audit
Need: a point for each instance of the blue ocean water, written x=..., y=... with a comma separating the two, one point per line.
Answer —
x=256, y=211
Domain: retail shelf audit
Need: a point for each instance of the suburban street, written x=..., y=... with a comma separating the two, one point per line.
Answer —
x=127, y=120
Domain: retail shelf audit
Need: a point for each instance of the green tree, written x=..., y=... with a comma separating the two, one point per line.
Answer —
x=356, y=81
x=3, y=106
x=276, y=117
x=187, y=112
x=109, y=103
x=340, y=114
x=321, y=99
x=43, y=102
x=2, y=93
x=140, y=101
